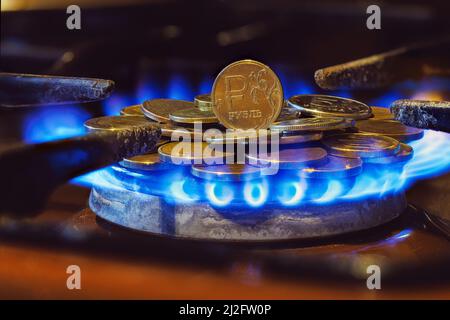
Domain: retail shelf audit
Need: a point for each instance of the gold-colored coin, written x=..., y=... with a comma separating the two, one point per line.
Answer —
x=390, y=128
x=247, y=95
x=193, y=115
x=293, y=158
x=203, y=102
x=380, y=113
x=359, y=145
x=311, y=124
x=116, y=123
x=226, y=172
x=187, y=153
x=334, y=168
x=405, y=153
x=147, y=162
x=160, y=109
x=132, y=111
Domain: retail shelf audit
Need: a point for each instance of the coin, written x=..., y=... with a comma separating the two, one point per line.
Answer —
x=191, y=153
x=132, y=111
x=112, y=123
x=193, y=115
x=390, y=128
x=203, y=102
x=247, y=95
x=310, y=124
x=359, y=145
x=160, y=109
x=330, y=106
x=147, y=162
x=300, y=138
x=335, y=167
x=294, y=158
x=405, y=153
x=288, y=113
x=380, y=113
x=238, y=136
x=226, y=172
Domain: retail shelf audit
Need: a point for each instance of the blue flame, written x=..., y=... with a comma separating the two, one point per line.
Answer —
x=115, y=103
x=431, y=156
x=52, y=123
x=255, y=193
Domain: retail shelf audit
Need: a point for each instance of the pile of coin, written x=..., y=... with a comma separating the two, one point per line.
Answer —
x=319, y=136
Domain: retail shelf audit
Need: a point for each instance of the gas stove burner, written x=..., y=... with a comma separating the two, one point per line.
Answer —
x=175, y=203
x=202, y=220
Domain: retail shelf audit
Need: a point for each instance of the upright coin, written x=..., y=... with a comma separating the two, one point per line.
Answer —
x=116, y=123
x=226, y=172
x=293, y=158
x=193, y=115
x=380, y=113
x=160, y=109
x=390, y=128
x=330, y=106
x=334, y=168
x=132, y=111
x=247, y=95
x=310, y=124
x=187, y=153
x=359, y=145
x=203, y=102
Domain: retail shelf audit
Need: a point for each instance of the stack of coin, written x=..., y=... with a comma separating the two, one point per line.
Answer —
x=319, y=136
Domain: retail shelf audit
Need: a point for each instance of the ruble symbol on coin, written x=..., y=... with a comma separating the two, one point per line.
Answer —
x=247, y=95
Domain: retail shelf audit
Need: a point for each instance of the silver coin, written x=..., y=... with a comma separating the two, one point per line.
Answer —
x=193, y=115
x=238, y=136
x=310, y=124
x=300, y=138
x=330, y=106
x=405, y=154
x=160, y=109
x=361, y=145
x=203, y=102
x=226, y=172
x=113, y=123
x=132, y=111
x=334, y=168
x=290, y=158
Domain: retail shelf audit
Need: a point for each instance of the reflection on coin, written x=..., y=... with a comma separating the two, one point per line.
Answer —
x=203, y=102
x=390, y=128
x=116, y=123
x=290, y=158
x=380, y=113
x=334, y=168
x=330, y=106
x=403, y=155
x=359, y=145
x=132, y=111
x=288, y=113
x=193, y=115
x=247, y=95
x=226, y=172
x=191, y=153
x=148, y=162
x=300, y=138
x=160, y=109
x=310, y=124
